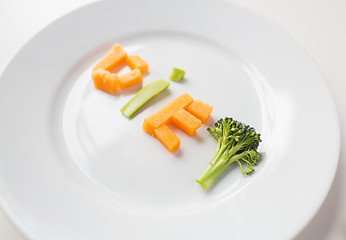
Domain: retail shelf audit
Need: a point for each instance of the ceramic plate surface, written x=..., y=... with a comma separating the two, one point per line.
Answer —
x=73, y=167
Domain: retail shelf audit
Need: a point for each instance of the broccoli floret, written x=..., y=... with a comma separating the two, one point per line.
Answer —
x=236, y=142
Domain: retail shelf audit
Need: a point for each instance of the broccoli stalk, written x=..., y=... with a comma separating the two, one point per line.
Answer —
x=236, y=142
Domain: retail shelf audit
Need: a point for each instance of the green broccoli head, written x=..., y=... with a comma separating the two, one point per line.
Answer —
x=236, y=142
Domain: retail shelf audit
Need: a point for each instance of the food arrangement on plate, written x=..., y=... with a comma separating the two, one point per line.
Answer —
x=75, y=162
x=236, y=141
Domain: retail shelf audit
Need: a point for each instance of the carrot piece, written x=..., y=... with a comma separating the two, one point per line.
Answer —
x=130, y=79
x=167, y=137
x=135, y=62
x=114, y=57
x=186, y=121
x=105, y=80
x=200, y=110
x=163, y=116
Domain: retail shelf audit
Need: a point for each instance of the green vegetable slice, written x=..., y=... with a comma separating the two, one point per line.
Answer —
x=177, y=74
x=143, y=96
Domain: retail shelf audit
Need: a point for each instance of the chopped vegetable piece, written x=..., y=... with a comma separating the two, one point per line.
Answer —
x=114, y=57
x=163, y=116
x=144, y=95
x=167, y=137
x=186, y=121
x=135, y=62
x=236, y=142
x=174, y=112
x=105, y=81
x=177, y=74
x=129, y=79
x=200, y=110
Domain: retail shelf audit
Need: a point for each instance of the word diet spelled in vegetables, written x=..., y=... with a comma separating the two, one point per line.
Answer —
x=236, y=141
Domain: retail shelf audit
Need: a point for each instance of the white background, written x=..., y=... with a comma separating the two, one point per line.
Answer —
x=318, y=25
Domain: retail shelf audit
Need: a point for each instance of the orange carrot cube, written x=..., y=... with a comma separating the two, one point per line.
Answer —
x=129, y=79
x=136, y=62
x=105, y=80
x=200, y=110
x=186, y=121
x=167, y=137
x=113, y=58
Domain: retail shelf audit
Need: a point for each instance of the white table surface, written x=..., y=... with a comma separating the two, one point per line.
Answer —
x=318, y=25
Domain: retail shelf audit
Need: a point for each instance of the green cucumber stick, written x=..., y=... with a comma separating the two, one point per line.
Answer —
x=144, y=95
x=176, y=74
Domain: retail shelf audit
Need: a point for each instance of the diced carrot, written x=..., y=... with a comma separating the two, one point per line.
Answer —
x=167, y=137
x=136, y=62
x=105, y=80
x=163, y=116
x=186, y=121
x=130, y=79
x=178, y=113
x=114, y=57
x=200, y=110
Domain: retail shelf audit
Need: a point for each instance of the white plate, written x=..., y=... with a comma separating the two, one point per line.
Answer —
x=72, y=167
